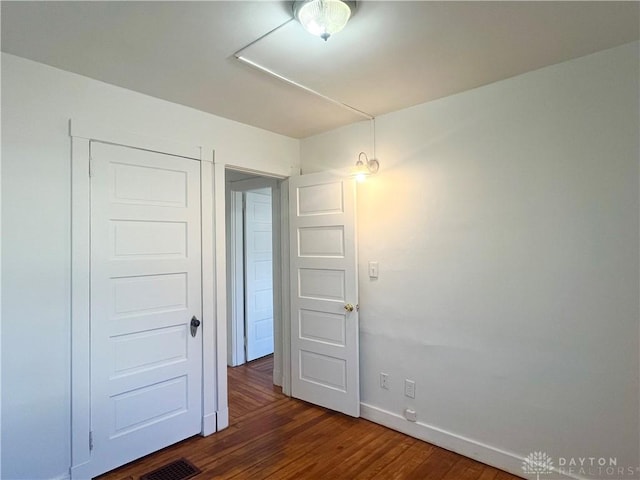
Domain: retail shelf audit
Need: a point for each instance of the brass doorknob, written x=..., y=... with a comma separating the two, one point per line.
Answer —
x=348, y=307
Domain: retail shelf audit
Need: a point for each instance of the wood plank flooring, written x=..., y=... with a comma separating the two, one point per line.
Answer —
x=275, y=437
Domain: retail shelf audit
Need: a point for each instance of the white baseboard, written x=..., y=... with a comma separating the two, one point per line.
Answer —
x=64, y=476
x=496, y=457
x=222, y=419
x=209, y=424
x=277, y=377
x=79, y=472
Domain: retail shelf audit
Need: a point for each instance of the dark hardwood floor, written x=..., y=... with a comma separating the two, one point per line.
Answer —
x=271, y=436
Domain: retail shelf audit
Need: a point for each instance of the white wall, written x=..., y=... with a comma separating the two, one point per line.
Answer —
x=37, y=103
x=506, y=223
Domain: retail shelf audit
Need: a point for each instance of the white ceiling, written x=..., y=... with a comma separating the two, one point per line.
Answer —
x=391, y=55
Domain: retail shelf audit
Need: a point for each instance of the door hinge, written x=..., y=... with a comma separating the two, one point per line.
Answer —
x=90, y=440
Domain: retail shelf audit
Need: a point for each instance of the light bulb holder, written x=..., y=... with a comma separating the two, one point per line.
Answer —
x=366, y=166
x=323, y=18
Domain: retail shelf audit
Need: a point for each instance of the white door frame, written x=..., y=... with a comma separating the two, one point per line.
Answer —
x=284, y=306
x=279, y=199
x=214, y=403
x=235, y=280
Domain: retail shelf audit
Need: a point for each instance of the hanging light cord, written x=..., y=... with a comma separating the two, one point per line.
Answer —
x=237, y=55
x=303, y=87
x=238, y=52
x=373, y=130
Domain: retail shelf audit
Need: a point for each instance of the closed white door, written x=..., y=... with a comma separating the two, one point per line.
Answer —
x=258, y=274
x=324, y=292
x=146, y=360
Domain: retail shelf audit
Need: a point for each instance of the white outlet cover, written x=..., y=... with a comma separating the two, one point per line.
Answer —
x=410, y=388
x=410, y=415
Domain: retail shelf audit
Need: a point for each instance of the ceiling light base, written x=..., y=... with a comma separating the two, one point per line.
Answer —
x=323, y=18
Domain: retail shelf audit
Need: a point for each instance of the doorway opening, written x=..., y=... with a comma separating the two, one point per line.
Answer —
x=253, y=244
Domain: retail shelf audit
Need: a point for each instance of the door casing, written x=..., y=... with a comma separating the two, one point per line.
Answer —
x=214, y=411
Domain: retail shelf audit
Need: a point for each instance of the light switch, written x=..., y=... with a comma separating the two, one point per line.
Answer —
x=373, y=269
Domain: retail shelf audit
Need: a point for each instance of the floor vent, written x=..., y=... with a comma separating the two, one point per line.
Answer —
x=178, y=470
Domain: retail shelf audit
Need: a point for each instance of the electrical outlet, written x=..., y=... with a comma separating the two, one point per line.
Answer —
x=384, y=381
x=410, y=388
x=410, y=415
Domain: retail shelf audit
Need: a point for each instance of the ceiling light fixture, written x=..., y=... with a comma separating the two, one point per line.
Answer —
x=323, y=18
x=365, y=168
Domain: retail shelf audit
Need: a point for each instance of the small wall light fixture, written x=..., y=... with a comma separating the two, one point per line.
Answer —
x=365, y=167
x=323, y=18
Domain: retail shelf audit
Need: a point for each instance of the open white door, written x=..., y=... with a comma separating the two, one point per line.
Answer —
x=146, y=355
x=258, y=274
x=324, y=292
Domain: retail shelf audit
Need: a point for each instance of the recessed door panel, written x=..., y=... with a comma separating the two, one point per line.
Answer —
x=261, y=211
x=149, y=238
x=151, y=349
x=320, y=284
x=319, y=199
x=149, y=294
x=323, y=327
x=264, y=329
x=263, y=300
x=150, y=404
x=262, y=270
x=261, y=241
x=323, y=370
x=148, y=185
x=321, y=241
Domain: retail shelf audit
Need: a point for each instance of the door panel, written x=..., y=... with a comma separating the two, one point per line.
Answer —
x=323, y=327
x=321, y=242
x=324, y=335
x=258, y=274
x=146, y=368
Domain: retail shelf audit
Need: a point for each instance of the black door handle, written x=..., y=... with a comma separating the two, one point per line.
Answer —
x=195, y=323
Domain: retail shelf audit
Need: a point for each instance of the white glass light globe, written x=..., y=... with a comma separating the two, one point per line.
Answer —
x=324, y=17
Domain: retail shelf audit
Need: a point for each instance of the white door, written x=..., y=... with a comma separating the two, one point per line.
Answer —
x=258, y=274
x=324, y=292
x=145, y=289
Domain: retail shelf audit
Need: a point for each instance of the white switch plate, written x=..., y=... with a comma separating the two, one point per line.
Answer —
x=373, y=269
x=410, y=388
